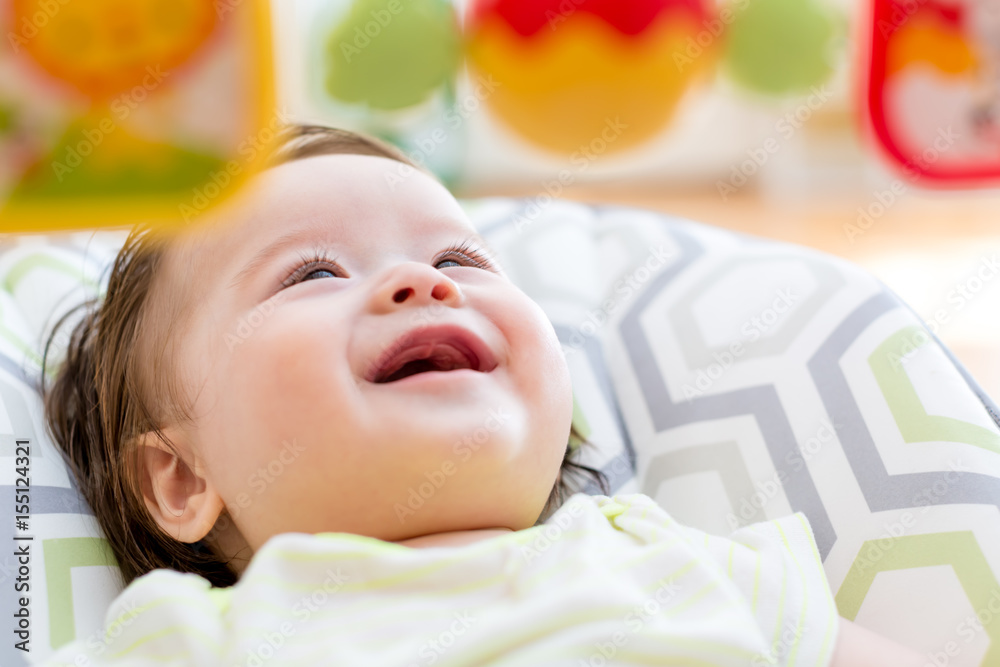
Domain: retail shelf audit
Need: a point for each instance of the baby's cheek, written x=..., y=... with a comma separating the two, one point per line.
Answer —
x=542, y=372
x=287, y=350
x=537, y=340
x=282, y=375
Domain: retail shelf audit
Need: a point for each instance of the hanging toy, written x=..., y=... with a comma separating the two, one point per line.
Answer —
x=106, y=120
x=780, y=47
x=933, y=89
x=392, y=54
x=588, y=77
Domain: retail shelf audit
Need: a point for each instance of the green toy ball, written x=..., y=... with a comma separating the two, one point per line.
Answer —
x=392, y=54
x=780, y=46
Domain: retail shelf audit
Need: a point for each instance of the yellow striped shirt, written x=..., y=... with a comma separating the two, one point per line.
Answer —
x=605, y=581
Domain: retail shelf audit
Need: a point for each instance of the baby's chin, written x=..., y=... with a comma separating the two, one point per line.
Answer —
x=459, y=408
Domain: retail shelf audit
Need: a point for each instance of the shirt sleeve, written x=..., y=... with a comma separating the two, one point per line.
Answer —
x=161, y=618
x=776, y=565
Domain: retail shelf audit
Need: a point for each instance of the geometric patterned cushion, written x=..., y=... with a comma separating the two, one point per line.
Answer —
x=755, y=379
x=71, y=574
x=732, y=379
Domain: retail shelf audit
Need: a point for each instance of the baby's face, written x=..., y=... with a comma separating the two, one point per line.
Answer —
x=310, y=307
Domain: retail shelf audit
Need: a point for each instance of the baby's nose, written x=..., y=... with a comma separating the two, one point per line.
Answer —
x=416, y=284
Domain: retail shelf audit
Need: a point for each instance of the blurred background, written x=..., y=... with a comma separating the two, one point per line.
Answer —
x=869, y=129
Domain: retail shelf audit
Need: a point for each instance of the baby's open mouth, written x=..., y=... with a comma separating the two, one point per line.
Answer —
x=441, y=348
x=427, y=358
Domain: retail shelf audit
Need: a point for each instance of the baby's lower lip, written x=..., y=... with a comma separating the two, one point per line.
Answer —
x=457, y=375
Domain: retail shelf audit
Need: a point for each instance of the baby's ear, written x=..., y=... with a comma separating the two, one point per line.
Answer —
x=179, y=497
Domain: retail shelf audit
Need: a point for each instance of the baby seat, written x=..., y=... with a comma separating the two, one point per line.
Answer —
x=733, y=379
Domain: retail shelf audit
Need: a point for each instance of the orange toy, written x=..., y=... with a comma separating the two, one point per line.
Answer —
x=576, y=72
x=102, y=47
x=119, y=111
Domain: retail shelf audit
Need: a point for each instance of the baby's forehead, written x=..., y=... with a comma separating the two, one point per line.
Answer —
x=336, y=205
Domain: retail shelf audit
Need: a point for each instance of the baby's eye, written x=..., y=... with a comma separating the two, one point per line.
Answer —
x=318, y=273
x=322, y=266
x=465, y=255
x=315, y=268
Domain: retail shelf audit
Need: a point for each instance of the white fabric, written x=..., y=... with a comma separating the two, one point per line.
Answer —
x=605, y=581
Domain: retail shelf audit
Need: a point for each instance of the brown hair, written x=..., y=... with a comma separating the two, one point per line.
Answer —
x=96, y=405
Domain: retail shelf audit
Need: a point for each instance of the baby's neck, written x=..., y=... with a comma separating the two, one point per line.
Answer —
x=455, y=538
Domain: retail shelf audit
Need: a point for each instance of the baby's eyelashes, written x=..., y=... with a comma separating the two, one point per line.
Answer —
x=319, y=273
x=319, y=265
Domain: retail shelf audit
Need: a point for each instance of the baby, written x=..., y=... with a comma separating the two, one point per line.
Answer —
x=251, y=408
